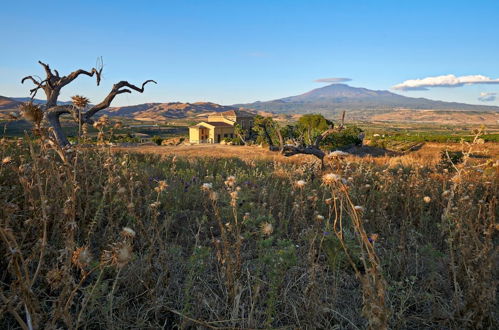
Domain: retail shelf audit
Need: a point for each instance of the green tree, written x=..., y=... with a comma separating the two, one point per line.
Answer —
x=312, y=125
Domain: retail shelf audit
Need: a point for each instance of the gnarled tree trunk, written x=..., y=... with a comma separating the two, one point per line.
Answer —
x=52, y=85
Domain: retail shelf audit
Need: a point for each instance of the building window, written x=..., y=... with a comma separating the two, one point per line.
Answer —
x=225, y=135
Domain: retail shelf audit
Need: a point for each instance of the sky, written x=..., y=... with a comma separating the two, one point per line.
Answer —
x=231, y=52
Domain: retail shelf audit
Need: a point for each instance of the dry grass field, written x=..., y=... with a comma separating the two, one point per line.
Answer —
x=222, y=237
x=429, y=154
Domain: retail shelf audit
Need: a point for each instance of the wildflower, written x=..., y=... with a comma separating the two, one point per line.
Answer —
x=358, y=208
x=300, y=184
x=319, y=217
x=427, y=199
x=246, y=216
x=127, y=232
x=330, y=178
x=207, y=186
x=6, y=160
x=213, y=195
x=373, y=238
x=81, y=257
x=446, y=193
x=367, y=186
x=266, y=228
x=162, y=185
x=231, y=181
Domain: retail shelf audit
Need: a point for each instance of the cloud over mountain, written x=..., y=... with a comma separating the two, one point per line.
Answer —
x=444, y=81
x=487, y=97
x=333, y=80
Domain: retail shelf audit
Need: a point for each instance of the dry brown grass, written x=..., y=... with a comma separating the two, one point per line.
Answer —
x=428, y=155
x=134, y=239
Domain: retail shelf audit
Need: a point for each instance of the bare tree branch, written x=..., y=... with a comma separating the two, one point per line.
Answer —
x=46, y=67
x=73, y=75
x=117, y=89
x=36, y=82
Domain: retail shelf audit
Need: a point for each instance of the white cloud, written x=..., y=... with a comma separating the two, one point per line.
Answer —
x=332, y=80
x=444, y=81
x=487, y=97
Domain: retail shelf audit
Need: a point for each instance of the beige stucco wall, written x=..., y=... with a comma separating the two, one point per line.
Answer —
x=222, y=131
x=193, y=135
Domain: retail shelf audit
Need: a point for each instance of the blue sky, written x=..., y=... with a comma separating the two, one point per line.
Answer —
x=242, y=51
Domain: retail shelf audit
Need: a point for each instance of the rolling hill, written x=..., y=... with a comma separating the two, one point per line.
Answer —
x=334, y=98
x=165, y=111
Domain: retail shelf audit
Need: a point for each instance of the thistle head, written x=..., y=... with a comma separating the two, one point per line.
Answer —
x=80, y=101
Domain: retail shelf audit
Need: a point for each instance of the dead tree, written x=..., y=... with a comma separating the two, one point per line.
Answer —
x=52, y=86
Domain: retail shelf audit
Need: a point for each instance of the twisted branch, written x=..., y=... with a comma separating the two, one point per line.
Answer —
x=119, y=88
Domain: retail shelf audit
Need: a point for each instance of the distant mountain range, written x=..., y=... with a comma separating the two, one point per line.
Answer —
x=337, y=97
x=361, y=104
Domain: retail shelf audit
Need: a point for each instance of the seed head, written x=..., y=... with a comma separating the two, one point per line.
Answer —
x=127, y=232
x=79, y=101
x=427, y=199
x=266, y=228
x=81, y=257
x=359, y=208
x=207, y=186
x=300, y=184
x=330, y=178
x=162, y=185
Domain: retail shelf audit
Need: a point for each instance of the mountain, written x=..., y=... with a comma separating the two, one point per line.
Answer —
x=37, y=101
x=7, y=103
x=145, y=111
x=165, y=111
x=337, y=97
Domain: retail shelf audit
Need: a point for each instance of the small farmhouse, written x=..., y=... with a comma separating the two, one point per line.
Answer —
x=220, y=126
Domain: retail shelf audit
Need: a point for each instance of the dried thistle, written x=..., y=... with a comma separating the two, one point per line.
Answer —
x=81, y=257
x=266, y=228
x=162, y=185
x=127, y=233
x=31, y=112
x=79, y=101
x=330, y=178
x=119, y=255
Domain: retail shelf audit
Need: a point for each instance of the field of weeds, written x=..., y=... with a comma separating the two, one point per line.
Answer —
x=120, y=240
